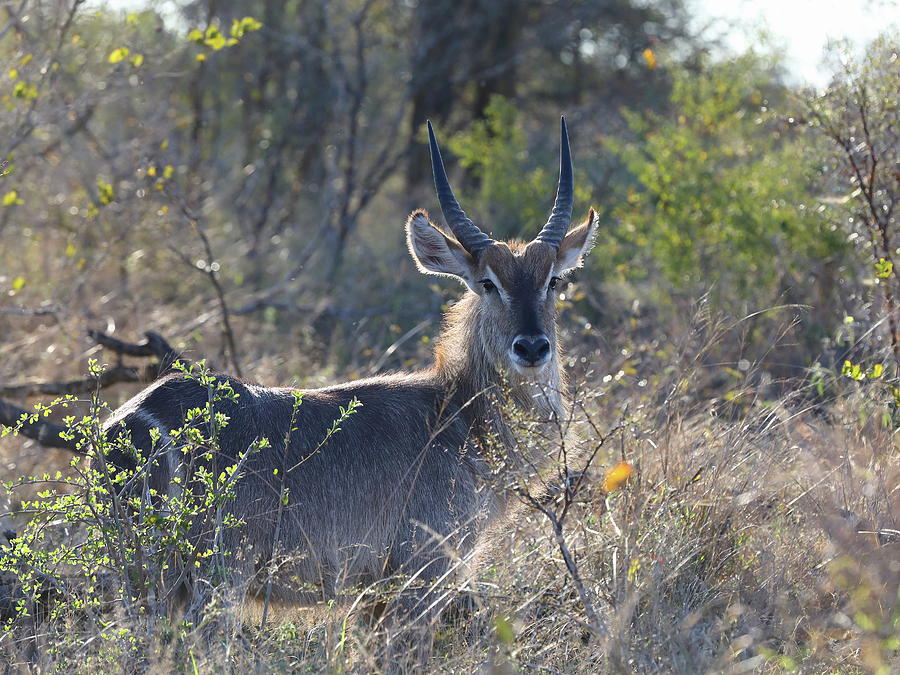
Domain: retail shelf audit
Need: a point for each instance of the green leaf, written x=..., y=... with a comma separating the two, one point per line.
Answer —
x=853, y=370
x=11, y=198
x=214, y=38
x=24, y=90
x=504, y=629
x=105, y=190
x=883, y=268
x=245, y=25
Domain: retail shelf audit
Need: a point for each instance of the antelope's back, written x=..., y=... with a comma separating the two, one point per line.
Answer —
x=374, y=497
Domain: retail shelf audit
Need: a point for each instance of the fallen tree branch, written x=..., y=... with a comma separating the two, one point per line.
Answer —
x=47, y=433
x=23, y=311
x=44, y=432
x=114, y=375
x=153, y=345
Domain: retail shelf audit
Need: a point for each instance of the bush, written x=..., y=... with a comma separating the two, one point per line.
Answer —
x=724, y=191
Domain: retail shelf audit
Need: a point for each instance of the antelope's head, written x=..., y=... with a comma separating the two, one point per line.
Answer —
x=515, y=312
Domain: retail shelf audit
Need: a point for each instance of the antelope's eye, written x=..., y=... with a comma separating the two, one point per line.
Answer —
x=553, y=282
x=488, y=285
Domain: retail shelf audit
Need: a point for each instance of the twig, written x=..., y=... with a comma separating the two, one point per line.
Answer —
x=210, y=271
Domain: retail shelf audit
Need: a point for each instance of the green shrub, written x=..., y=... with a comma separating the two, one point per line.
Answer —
x=724, y=190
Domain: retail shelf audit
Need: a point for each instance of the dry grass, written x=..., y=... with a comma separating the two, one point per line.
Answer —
x=758, y=533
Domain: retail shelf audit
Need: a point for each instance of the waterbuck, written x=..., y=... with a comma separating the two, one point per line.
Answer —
x=404, y=490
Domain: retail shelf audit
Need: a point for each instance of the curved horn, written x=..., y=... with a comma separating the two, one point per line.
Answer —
x=561, y=216
x=465, y=231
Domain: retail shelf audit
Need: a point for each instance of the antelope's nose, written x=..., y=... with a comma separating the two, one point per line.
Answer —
x=531, y=350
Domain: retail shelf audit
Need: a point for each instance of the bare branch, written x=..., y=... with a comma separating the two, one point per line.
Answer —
x=44, y=432
x=47, y=433
x=115, y=375
x=210, y=271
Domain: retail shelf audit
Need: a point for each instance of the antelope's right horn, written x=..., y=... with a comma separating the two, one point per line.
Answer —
x=465, y=231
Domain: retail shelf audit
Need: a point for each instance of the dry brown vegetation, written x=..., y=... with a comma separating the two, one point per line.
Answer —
x=760, y=528
x=757, y=534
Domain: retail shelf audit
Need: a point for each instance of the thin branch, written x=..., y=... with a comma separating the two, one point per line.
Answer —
x=210, y=271
x=48, y=74
x=558, y=535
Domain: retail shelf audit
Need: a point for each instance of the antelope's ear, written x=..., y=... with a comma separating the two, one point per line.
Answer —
x=437, y=253
x=576, y=245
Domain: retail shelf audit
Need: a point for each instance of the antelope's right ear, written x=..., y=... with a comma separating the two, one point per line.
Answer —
x=437, y=253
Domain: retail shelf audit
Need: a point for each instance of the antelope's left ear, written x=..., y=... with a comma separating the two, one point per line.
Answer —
x=576, y=245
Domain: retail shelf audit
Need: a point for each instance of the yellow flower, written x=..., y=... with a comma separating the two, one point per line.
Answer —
x=616, y=476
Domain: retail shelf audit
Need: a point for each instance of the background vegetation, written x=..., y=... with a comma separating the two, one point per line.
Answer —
x=235, y=176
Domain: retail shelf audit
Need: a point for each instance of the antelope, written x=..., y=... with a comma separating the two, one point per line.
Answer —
x=405, y=488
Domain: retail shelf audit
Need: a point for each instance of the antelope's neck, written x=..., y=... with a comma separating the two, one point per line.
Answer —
x=465, y=368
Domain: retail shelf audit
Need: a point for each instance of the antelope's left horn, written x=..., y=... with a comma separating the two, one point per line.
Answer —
x=561, y=216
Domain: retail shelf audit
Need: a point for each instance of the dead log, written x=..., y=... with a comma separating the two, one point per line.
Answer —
x=47, y=433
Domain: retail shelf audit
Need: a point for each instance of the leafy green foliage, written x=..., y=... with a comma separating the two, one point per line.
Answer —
x=722, y=197
x=130, y=536
x=127, y=543
x=514, y=195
